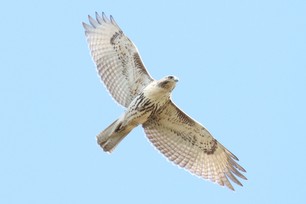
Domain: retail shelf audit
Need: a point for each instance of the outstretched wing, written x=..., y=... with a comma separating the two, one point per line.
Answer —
x=117, y=59
x=189, y=145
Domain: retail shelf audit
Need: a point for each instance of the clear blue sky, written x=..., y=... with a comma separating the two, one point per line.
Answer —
x=242, y=70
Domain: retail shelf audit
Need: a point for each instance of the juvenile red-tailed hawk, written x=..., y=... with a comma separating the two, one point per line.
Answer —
x=148, y=102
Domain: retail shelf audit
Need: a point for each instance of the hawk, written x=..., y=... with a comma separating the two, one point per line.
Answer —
x=147, y=102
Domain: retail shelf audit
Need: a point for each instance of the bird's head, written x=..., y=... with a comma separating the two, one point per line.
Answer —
x=168, y=83
x=161, y=88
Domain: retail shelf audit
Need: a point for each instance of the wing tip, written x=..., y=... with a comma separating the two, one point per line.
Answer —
x=98, y=17
x=99, y=20
x=87, y=27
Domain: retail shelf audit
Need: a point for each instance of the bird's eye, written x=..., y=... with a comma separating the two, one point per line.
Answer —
x=170, y=77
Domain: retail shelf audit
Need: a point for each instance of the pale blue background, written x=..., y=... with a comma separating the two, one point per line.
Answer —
x=242, y=70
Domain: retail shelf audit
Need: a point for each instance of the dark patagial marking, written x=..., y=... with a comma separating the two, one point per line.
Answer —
x=139, y=64
x=184, y=118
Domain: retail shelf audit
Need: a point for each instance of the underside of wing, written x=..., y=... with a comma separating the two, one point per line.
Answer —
x=189, y=145
x=117, y=59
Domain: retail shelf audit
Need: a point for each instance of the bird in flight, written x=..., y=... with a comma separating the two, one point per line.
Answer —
x=148, y=102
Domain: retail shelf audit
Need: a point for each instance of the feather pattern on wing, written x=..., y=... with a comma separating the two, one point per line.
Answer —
x=189, y=145
x=117, y=59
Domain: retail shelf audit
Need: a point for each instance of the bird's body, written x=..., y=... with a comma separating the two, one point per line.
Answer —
x=148, y=102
